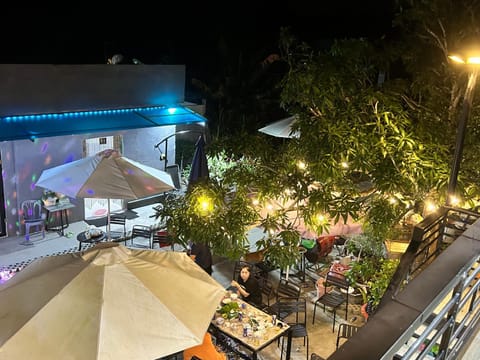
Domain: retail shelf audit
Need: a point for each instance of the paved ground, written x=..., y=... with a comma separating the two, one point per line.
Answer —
x=322, y=340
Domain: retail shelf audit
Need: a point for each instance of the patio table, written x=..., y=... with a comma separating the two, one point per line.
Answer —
x=63, y=215
x=256, y=340
x=82, y=238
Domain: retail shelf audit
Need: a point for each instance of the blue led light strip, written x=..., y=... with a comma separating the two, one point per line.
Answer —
x=19, y=118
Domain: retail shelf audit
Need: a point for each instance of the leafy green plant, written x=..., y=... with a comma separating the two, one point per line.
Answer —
x=210, y=214
x=366, y=246
x=371, y=276
x=230, y=310
x=360, y=273
x=378, y=283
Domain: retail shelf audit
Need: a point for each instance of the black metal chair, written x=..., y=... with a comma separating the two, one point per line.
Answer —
x=346, y=331
x=287, y=289
x=268, y=291
x=333, y=299
x=296, y=308
x=119, y=232
x=284, y=289
x=141, y=231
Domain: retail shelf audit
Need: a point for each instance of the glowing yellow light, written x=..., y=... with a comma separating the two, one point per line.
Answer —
x=320, y=219
x=255, y=202
x=473, y=60
x=430, y=207
x=392, y=200
x=344, y=165
x=456, y=59
x=269, y=207
x=454, y=201
x=204, y=205
x=301, y=165
x=470, y=60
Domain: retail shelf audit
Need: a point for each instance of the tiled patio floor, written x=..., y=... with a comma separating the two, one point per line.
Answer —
x=322, y=340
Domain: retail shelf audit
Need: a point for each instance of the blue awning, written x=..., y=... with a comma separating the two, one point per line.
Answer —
x=70, y=123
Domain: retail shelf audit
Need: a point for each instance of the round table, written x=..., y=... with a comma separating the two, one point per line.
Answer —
x=81, y=237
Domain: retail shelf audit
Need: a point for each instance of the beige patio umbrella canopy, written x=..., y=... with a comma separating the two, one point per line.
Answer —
x=109, y=302
x=106, y=175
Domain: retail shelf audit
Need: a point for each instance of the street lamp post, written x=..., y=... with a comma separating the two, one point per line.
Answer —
x=462, y=123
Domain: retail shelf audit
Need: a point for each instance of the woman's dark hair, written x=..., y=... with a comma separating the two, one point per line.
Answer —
x=248, y=267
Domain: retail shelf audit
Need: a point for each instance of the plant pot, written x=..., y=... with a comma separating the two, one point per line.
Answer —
x=50, y=201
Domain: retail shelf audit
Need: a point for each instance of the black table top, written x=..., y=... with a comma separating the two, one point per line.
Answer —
x=82, y=237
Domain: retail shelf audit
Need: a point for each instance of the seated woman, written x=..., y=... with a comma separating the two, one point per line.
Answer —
x=247, y=286
x=205, y=351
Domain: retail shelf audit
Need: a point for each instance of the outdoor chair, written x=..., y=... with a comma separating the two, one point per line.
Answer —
x=296, y=308
x=161, y=238
x=32, y=216
x=284, y=290
x=267, y=291
x=119, y=232
x=141, y=231
x=287, y=289
x=333, y=299
x=346, y=331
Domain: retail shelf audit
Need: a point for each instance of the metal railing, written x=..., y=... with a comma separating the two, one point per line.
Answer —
x=431, y=308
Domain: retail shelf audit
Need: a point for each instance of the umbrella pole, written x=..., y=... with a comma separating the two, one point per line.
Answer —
x=108, y=220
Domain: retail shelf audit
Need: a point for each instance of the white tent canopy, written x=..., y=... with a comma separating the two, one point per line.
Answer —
x=281, y=128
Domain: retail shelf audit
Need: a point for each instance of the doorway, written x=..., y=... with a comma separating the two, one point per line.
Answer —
x=95, y=208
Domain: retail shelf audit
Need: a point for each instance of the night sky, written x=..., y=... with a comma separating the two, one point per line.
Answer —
x=178, y=32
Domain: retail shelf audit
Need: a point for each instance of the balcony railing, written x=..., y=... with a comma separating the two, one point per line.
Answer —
x=432, y=307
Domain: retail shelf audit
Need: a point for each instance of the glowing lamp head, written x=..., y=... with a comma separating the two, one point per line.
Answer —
x=469, y=56
x=204, y=205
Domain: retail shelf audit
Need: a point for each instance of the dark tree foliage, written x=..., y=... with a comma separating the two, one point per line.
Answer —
x=377, y=120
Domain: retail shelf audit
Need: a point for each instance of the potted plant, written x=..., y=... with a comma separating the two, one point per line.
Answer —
x=366, y=245
x=49, y=197
x=360, y=274
x=372, y=272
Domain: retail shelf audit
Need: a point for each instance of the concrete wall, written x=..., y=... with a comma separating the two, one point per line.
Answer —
x=23, y=162
x=38, y=89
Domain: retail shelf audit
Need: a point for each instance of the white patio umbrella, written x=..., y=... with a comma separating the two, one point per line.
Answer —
x=106, y=175
x=110, y=302
x=281, y=128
